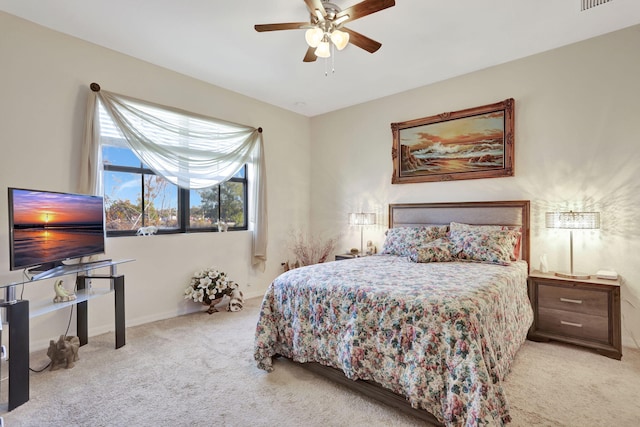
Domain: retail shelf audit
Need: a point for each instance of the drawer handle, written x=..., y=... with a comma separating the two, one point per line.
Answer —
x=577, y=325
x=572, y=301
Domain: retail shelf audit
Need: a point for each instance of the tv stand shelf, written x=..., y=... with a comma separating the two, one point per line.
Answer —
x=82, y=295
x=19, y=312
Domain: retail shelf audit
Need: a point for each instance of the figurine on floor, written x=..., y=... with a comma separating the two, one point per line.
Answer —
x=64, y=352
x=237, y=300
x=62, y=294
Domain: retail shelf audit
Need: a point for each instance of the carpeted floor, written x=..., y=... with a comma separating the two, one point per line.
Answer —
x=197, y=370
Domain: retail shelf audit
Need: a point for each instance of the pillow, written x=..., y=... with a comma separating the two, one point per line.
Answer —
x=438, y=250
x=456, y=226
x=401, y=240
x=488, y=246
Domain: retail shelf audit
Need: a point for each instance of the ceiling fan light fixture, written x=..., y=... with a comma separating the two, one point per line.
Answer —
x=313, y=36
x=323, y=50
x=324, y=31
x=340, y=39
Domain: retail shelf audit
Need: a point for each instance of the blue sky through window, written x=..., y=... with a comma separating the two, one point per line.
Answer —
x=127, y=186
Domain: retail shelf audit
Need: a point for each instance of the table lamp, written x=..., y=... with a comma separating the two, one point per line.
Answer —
x=361, y=219
x=572, y=221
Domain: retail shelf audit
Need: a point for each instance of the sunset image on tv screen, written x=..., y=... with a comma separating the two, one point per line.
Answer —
x=51, y=226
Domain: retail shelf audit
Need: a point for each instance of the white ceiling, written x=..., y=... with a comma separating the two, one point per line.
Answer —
x=423, y=41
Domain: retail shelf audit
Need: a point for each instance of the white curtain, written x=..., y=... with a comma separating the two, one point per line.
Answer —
x=189, y=150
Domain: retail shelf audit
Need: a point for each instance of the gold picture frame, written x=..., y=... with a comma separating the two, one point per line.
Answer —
x=467, y=144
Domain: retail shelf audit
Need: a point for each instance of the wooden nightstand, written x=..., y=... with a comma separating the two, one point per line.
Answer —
x=346, y=256
x=584, y=312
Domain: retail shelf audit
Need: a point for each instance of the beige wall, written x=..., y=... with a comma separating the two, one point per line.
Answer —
x=577, y=128
x=44, y=78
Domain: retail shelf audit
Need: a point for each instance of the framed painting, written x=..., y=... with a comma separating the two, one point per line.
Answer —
x=468, y=144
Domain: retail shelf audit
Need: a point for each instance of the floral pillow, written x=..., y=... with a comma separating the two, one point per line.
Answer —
x=438, y=250
x=401, y=240
x=456, y=226
x=488, y=246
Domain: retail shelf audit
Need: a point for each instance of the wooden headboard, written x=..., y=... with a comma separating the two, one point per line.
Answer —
x=511, y=213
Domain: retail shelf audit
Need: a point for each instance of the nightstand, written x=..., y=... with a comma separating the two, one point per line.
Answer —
x=583, y=312
x=346, y=256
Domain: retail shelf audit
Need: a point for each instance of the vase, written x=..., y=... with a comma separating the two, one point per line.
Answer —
x=212, y=305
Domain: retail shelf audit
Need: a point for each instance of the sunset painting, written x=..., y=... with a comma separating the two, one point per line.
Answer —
x=51, y=226
x=463, y=145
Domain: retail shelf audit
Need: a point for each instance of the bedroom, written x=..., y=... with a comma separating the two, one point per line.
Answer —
x=576, y=146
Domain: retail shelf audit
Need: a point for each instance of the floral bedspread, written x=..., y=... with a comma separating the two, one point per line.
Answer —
x=443, y=335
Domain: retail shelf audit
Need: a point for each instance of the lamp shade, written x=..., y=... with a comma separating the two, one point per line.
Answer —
x=340, y=39
x=362, y=218
x=572, y=220
x=323, y=51
x=313, y=36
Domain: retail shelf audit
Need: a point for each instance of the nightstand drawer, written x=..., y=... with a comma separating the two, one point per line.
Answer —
x=586, y=301
x=573, y=324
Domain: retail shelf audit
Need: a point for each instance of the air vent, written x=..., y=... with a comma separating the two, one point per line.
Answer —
x=588, y=4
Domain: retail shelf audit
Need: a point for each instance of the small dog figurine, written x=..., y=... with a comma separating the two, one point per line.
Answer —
x=236, y=301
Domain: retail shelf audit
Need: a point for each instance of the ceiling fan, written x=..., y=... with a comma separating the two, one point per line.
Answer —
x=325, y=27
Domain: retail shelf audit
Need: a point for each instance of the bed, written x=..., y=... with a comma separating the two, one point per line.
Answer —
x=429, y=332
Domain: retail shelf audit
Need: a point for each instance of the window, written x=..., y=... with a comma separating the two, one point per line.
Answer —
x=186, y=150
x=136, y=197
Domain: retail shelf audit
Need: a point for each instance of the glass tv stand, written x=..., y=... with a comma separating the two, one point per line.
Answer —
x=18, y=313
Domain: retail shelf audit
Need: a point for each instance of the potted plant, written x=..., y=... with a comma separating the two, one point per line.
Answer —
x=209, y=286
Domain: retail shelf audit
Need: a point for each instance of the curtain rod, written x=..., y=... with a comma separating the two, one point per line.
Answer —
x=96, y=88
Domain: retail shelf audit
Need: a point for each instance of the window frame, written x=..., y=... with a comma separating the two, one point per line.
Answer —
x=183, y=197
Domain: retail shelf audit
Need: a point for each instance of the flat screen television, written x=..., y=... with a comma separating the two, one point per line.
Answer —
x=47, y=228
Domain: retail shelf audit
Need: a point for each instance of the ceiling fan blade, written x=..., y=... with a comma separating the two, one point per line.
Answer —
x=312, y=5
x=367, y=7
x=310, y=55
x=284, y=26
x=361, y=41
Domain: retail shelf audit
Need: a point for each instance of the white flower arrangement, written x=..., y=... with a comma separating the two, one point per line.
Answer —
x=209, y=286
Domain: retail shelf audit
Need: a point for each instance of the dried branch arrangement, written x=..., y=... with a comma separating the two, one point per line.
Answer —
x=309, y=249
